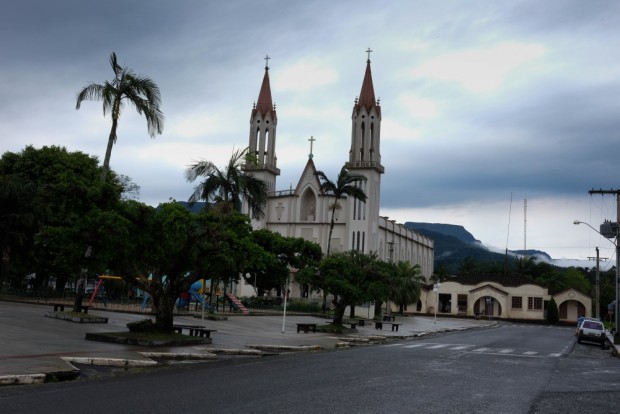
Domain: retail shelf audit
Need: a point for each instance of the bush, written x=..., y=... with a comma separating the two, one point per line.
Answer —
x=302, y=306
x=143, y=325
x=553, y=315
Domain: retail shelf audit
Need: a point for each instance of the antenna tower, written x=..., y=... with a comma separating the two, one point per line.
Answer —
x=525, y=226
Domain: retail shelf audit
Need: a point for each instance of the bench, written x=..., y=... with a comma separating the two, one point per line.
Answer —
x=362, y=322
x=306, y=327
x=194, y=330
x=352, y=323
x=57, y=306
x=379, y=325
x=389, y=318
x=61, y=307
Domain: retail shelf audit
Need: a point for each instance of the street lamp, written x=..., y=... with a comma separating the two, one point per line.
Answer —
x=609, y=234
x=436, y=290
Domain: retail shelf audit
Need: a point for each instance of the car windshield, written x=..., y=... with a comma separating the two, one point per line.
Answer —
x=593, y=325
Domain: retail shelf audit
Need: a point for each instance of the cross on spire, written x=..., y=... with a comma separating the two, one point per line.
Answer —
x=267, y=62
x=369, y=52
x=312, y=139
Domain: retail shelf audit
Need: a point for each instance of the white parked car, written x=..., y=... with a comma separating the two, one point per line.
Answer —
x=593, y=331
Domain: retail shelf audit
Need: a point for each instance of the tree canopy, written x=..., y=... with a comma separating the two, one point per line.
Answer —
x=127, y=87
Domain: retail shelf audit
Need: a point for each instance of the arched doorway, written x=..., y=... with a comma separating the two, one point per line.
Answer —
x=488, y=306
x=570, y=310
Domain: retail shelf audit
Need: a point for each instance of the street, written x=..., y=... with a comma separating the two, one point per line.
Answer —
x=511, y=368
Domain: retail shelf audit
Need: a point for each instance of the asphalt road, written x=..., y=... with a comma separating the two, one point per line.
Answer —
x=512, y=368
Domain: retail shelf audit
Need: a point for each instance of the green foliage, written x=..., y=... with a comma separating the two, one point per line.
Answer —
x=46, y=225
x=282, y=255
x=553, y=315
x=406, y=284
x=143, y=325
x=227, y=188
x=126, y=88
x=346, y=185
x=352, y=277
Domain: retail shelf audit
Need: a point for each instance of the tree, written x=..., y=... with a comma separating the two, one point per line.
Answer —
x=353, y=277
x=47, y=224
x=282, y=255
x=345, y=186
x=553, y=315
x=229, y=187
x=407, y=285
x=164, y=250
x=126, y=87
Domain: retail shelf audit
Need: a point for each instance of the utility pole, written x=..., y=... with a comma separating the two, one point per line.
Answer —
x=609, y=230
x=597, y=291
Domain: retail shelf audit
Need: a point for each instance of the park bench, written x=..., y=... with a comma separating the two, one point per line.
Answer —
x=58, y=306
x=352, y=323
x=61, y=307
x=379, y=325
x=389, y=318
x=306, y=327
x=194, y=330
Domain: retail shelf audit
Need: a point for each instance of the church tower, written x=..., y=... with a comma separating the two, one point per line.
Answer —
x=365, y=159
x=262, y=140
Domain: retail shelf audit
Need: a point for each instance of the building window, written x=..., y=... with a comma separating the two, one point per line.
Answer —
x=462, y=303
x=517, y=302
x=534, y=303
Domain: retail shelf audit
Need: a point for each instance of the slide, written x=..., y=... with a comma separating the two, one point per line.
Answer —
x=195, y=291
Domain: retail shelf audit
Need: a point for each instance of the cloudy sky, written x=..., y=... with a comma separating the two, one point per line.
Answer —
x=484, y=103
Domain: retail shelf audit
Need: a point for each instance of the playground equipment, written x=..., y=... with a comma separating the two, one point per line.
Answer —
x=195, y=291
x=98, y=286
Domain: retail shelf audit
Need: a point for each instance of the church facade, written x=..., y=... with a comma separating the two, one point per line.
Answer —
x=303, y=211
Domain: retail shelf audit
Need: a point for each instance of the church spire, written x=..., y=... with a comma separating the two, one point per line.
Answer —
x=365, y=150
x=367, y=94
x=264, y=104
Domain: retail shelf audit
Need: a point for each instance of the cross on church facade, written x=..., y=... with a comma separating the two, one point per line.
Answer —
x=312, y=139
x=267, y=61
x=369, y=52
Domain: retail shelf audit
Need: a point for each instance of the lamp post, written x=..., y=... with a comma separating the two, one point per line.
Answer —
x=436, y=290
x=609, y=235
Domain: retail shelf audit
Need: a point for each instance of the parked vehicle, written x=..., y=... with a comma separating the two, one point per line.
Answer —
x=593, y=331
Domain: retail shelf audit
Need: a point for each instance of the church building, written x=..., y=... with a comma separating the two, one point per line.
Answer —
x=303, y=211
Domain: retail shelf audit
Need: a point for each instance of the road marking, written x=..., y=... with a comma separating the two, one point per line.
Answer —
x=481, y=350
x=530, y=353
x=555, y=355
x=414, y=345
x=458, y=348
x=438, y=346
x=505, y=351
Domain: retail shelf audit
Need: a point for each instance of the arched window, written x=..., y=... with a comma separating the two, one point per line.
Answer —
x=307, y=210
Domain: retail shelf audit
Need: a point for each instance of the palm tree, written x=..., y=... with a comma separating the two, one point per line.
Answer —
x=228, y=188
x=345, y=185
x=407, y=286
x=126, y=87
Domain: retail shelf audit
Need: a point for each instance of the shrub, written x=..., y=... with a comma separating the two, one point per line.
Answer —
x=143, y=325
x=553, y=315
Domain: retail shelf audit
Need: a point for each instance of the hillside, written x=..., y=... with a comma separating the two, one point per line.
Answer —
x=453, y=244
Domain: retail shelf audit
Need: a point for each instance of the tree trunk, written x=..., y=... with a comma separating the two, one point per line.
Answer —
x=79, y=296
x=108, y=151
x=378, y=305
x=339, y=308
x=164, y=313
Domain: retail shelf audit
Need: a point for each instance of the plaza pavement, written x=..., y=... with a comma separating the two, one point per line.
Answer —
x=35, y=348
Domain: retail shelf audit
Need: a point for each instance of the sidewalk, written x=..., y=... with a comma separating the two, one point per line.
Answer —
x=34, y=348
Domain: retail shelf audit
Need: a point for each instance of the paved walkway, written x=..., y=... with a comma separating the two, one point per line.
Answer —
x=34, y=347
